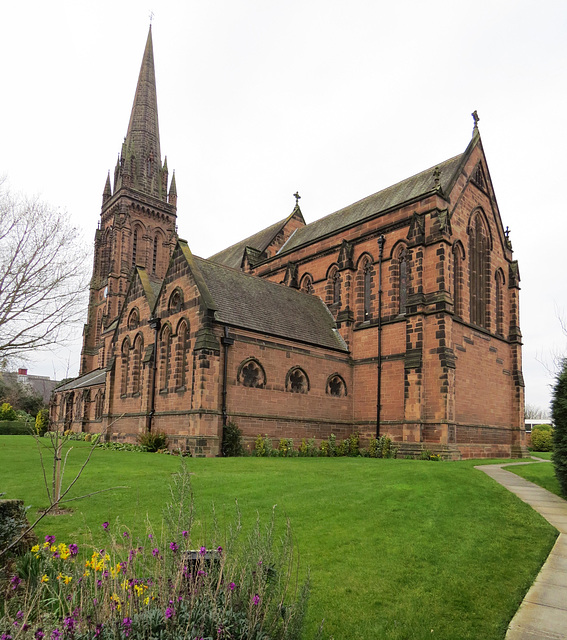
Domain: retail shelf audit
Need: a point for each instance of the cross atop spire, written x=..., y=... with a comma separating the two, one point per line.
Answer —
x=297, y=197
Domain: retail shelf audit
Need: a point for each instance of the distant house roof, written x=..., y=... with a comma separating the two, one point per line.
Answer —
x=96, y=377
x=252, y=303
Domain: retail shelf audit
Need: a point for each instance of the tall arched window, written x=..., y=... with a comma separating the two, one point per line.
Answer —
x=402, y=280
x=499, y=282
x=99, y=404
x=306, y=284
x=181, y=351
x=458, y=279
x=165, y=358
x=137, y=364
x=156, y=252
x=135, y=239
x=367, y=287
x=125, y=365
x=478, y=239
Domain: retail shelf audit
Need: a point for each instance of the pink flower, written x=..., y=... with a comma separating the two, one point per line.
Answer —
x=256, y=599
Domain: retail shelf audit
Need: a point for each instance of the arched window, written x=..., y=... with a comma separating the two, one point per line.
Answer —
x=367, y=286
x=156, y=252
x=334, y=287
x=458, y=279
x=251, y=374
x=137, y=364
x=133, y=319
x=105, y=254
x=499, y=282
x=306, y=284
x=181, y=352
x=99, y=404
x=336, y=386
x=402, y=279
x=135, y=246
x=125, y=366
x=478, y=239
x=165, y=358
x=297, y=381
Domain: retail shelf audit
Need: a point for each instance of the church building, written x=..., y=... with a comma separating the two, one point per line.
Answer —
x=397, y=315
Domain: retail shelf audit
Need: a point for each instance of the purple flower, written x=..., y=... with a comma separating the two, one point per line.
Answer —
x=219, y=550
x=98, y=629
x=169, y=613
x=6, y=636
x=39, y=635
x=74, y=549
x=203, y=550
x=127, y=624
x=125, y=535
x=173, y=546
x=55, y=634
x=232, y=586
x=150, y=536
x=50, y=539
x=185, y=533
x=19, y=615
x=69, y=623
x=15, y=581
x=256, y=599
x=105, y=525
x=155, y=552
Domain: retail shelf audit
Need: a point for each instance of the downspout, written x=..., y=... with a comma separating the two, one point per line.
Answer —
x=381, y=242
x=155, y=324
x=226, y=342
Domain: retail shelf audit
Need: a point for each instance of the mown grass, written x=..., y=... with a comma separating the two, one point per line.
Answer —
x=542, y=474
x=396, y=548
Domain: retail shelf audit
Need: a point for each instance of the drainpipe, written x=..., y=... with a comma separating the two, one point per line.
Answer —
x=226, y=342
x=155, y=324
x=381, y=242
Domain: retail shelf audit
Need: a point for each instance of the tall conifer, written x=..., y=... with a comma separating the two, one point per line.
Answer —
x=559, y=415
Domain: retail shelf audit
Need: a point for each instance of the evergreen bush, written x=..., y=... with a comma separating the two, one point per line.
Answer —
x=153, y=441
x=7, y=412
x=42, y=422
x=15, y=428
x=559, y=415
x=232, y=441
x=542, y=440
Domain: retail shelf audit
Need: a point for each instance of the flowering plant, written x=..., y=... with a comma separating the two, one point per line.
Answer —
x=138, y=588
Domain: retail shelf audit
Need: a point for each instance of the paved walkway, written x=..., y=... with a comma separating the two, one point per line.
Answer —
x=543, y=613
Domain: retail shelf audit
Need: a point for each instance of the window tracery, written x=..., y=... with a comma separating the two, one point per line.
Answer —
x=251, y=374
x=297, y=381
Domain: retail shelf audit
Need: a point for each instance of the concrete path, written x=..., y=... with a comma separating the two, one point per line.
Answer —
x=543, y=613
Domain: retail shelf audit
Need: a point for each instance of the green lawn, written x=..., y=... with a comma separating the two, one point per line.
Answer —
x=397, y=549
x=541, y=473
x=546, y=455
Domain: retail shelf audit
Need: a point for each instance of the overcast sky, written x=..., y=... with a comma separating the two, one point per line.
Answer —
x=336, y=99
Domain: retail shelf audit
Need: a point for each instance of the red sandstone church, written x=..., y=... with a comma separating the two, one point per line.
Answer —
x=396, y=315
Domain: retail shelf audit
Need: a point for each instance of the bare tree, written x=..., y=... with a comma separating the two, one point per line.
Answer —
x=43, y=276
x=534, y=412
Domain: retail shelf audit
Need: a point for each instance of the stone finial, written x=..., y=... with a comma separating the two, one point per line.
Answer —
x=437, y=178
x=476, y=118
x=297, y=198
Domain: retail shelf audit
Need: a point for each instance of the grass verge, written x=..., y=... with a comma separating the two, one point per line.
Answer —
x=396, y=548
x=542, y=474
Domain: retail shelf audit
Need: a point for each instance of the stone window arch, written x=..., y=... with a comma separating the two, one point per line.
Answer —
x=458, y=278
x=133, y=319
x=336, y=386
x=98, y=327
x=334, y=286
x=251, y=374
x=296, y=381
x=156, y=251
x=182, y=347
x=165, y=358
x=105, y=254
x=499, y=290
x=137, y=364
x=125, y=363
x=479, y=246
x=365, y=274
x=175, y=301
x=306, y=284
x=99, y=404
x=137, y=234
x=401, y=262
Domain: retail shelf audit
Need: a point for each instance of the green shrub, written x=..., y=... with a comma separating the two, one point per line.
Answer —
x=381, y=448
x=559, y=415
x=42, y=422
x=543, y=427
x=7, y=412
x=542, y=440
x=232, y=441
x=152, y=441
x=353, y=444
x=260, y=446
x=15, y=428
x=285, y=447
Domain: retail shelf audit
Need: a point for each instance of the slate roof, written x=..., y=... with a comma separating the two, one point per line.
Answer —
x=394, y=196
x=98, y=376
x=232, y=256
x=252, y=303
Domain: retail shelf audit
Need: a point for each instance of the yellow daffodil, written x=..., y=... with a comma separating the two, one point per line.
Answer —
x=45, y=578
x=35, y=548
x=67, y=579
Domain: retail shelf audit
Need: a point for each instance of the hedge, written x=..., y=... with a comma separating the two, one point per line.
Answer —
x=16, y=428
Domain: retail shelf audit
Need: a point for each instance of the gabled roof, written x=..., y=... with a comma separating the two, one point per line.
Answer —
x=407, y=190
x=232, y=256
x=151, y=285
x=249, y=302
x=96, y=377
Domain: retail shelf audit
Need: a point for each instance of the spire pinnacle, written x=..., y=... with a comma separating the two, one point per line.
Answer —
x=107, y=193
x=141, y=153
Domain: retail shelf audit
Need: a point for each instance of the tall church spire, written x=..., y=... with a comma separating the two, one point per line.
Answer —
x=140, y=159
